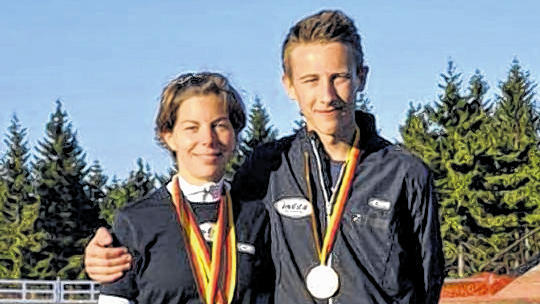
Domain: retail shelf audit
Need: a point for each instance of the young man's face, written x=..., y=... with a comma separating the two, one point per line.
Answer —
x=323, y=80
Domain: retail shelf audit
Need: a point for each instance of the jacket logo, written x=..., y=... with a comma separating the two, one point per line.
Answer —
x=245, y=248
x=294, y=207
x=207, y=230
x=379, y=204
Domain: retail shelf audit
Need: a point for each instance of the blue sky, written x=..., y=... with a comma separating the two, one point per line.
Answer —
x=108, y=60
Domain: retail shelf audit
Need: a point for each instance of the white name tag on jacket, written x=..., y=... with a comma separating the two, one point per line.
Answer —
x=245, y=248
x=294, y=207
x=379, y=204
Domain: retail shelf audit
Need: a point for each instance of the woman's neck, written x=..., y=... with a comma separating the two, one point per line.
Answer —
x=208, y=192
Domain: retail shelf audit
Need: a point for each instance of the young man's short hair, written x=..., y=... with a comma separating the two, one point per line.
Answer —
x=323, y=27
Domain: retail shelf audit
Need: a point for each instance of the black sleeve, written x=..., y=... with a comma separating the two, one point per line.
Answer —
x=251, y=179
x=266, y=286
x=124, y=234
x=426, y=229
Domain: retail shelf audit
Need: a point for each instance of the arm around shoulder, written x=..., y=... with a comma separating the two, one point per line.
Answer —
x=125, y=288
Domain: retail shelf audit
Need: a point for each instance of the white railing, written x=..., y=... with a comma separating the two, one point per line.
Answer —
x=44, y=292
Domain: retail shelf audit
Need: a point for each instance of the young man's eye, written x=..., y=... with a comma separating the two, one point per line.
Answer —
x=342, y=78
x=309, y=80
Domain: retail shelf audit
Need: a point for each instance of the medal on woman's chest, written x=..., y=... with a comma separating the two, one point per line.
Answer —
x=215, y=273
x=322, y=281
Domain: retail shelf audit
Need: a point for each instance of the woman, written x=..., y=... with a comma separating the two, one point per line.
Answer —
x=189, y=244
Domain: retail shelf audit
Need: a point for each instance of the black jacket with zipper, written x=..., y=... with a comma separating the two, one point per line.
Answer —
x=388, y=247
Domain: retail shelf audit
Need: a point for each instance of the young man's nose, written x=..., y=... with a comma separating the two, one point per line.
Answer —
x=328, y=91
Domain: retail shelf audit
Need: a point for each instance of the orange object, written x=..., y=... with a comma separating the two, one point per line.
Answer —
x=481, y=284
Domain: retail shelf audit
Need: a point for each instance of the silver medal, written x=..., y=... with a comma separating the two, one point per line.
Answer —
x=322, y=282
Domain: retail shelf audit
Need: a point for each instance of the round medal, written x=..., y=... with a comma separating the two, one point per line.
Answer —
x=322, y=282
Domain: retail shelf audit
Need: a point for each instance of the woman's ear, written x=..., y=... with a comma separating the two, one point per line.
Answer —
x=168, y=139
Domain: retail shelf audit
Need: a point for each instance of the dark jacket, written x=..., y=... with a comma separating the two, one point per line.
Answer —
x=161, y=271
x=388, y=248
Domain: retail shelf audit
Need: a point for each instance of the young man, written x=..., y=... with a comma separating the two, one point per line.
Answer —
x=353, y=218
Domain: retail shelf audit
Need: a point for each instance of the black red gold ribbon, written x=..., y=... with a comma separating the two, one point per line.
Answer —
x=353, y=155
x=215, y=275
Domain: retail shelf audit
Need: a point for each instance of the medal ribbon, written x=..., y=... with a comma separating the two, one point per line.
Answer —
x=213, y=287
x=353, y=156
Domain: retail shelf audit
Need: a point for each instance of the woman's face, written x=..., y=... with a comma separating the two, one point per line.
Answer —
x=203, y=138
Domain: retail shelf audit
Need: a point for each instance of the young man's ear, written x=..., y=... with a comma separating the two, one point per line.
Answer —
x=362, y=76
x=288, y=85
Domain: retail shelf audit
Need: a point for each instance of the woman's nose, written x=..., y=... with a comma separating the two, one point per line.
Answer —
x=208, y=135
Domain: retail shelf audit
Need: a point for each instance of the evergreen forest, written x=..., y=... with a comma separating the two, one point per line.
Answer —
x=484, y=152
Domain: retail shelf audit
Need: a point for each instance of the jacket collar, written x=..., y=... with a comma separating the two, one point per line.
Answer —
x=207, y=193
x=370, y=141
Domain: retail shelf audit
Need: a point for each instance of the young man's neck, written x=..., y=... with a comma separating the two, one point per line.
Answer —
x=337, y=145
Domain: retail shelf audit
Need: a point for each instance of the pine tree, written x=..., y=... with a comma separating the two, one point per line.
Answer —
x=512, y=181
x=95, y=184
x=115, y=198
x=66, y=214
x=363, y=103
x=486, y=165
x=5, y=236
x=418, y=136
x=449, y=137
x=19, y=205
x=140, y=183
x=259, y=131
x=16, y=173
x=163, y=179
